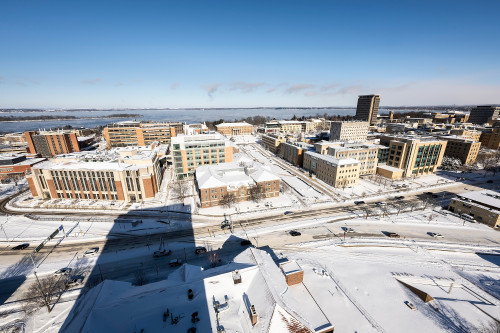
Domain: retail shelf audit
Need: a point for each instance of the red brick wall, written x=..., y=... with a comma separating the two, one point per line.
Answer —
x=119, y=190
x=32, y=186
x=294, y=278
x=148, y=188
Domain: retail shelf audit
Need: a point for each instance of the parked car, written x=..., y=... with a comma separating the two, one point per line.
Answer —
x=359, y=202
x=380, y=204
x=63, y=271
x=295, y=233
x=21, y=246
x=436, y=235
x=161, y=253
x=74, y=281
x=91, y=251
x=399, y=197
x=200, y=250
x=467, y=217
x=175, y=262
x=245, y=242
x=347, y=229
x=410, y=305
x=288, y=212
x=393, y=235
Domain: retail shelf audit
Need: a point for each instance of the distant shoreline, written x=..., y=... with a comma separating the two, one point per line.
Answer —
x=59, y=118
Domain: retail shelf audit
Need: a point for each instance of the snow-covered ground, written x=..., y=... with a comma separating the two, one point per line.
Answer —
x=11, y=188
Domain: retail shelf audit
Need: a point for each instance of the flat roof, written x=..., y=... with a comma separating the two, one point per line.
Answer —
x=233, y=124
x=332, y=159
x=485, y=197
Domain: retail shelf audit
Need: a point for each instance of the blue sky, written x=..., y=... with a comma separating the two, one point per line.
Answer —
x=105, y=54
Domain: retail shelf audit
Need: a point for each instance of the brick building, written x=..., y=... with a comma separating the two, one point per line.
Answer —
x=331, y=170
x=483, y=206
x=415, y=155
x=293, y=152
x=16, y=165
x=232, y=129
x=273, y=142
x=49, y=144
x=129, y=174
x=465, y=150
x=349, y=130
x=135, y=133
x=240, y=179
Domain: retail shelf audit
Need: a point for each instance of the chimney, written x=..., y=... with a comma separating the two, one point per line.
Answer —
x=253, y=315
x=236, y=277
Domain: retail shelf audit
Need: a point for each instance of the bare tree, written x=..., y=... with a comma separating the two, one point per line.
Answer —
x=45, y=291
x=385, y=210
x=413, y=204
x=431, y=217
x=492, y=327
x=399, y=205
x=429, y=201
x=256, y=193
x=228, y=200
x=180, y=189
x=284, y=188
x=140, y=278
x=367, y=211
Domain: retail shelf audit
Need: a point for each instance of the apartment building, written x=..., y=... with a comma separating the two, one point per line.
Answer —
x=242, y=180
x=322, y=147
x=367, y=108
x=192, y=151
x=293, y=152
x=481, y=114
x=483, y=206
x=490, y=137
x=331, y=170
x=415, y=155
x=349, y=130
x=16, y=165
x=466, y=133
x=272, y=142
x=465, y=150
x=51, y=143
x=366, y=154
x=232, y=129
x=135, y=133
x=131, y=174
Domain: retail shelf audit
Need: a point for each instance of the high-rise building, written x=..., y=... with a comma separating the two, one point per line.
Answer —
x=349, y=130
x=465, y=150
x=414, y=155
x=134, y=133
x=51, y=143
x=481, y=114
x=192, y=151
x=367, y=108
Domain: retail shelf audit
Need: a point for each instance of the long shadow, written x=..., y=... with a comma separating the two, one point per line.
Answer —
x=128, y=256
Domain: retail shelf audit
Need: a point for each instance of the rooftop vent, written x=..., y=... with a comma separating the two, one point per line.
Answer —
x=253, y=315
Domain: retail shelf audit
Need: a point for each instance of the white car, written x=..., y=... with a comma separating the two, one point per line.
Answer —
x=91, y=251
x=74, y=281
x=436, y=235
x=346, y=229
x=410, y=305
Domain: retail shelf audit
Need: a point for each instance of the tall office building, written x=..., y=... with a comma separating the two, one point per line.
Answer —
x=367, y=108
x=481, y=114
x=134, y=133
x=51, y=143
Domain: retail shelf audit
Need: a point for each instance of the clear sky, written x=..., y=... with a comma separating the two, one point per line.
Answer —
x=211, y=53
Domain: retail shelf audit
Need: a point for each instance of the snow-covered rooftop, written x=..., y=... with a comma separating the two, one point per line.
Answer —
x=233, y=175
x=233, y=124
x=115, y=306
x=389, y=168
x=485, y=197
x=332, y=160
